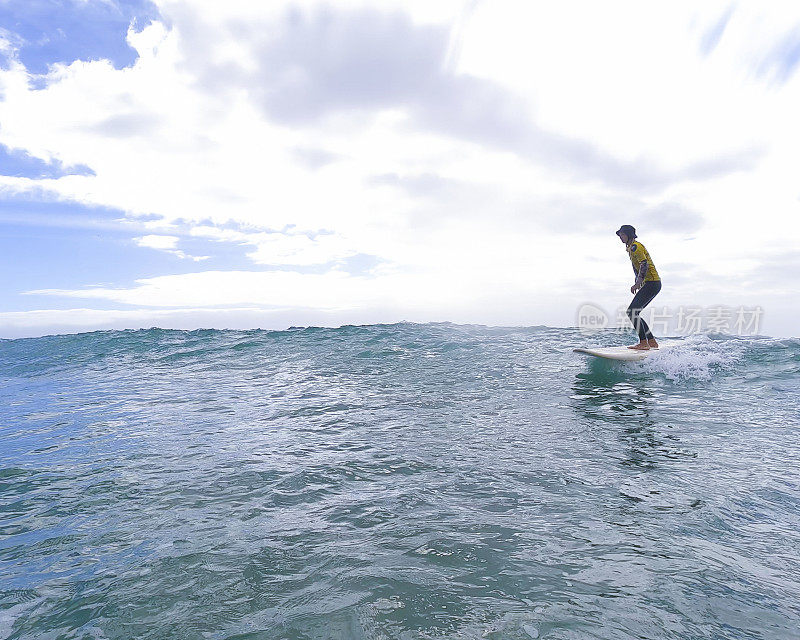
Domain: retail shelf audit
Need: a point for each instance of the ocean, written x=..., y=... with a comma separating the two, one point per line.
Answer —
x=397, y=481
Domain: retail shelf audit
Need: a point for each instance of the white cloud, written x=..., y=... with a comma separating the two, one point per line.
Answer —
x=331, y=291
x=282, y=248
x=468, y=147
x=157, y=242
x=166, y=243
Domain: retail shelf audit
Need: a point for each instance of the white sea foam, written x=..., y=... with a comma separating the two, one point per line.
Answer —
x=695, y=357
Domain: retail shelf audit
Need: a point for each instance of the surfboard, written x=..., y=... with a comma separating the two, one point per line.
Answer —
x=617, y=353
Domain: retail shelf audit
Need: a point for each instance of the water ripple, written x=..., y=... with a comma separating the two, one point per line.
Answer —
x=400, y=481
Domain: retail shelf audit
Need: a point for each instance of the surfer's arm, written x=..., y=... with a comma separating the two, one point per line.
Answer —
x=642, y=272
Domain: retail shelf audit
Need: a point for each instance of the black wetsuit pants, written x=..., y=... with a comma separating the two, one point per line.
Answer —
x=642, y=298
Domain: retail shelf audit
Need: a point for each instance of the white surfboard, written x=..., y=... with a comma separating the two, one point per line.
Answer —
x=618, y=353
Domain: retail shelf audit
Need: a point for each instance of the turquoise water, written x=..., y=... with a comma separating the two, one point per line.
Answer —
x=400, y=481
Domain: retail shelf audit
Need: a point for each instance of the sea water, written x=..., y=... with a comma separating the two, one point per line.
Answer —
x=401, y=481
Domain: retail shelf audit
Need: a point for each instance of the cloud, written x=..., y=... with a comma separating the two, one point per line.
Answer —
x=315, y=158
x=308, y=66
x=723, y=164
x=299, y=249
x=770, y=270
x=166, y=243
x=588, y=215
x=417, y=185
x=330, y=291
x=331, y=298
x=329, y=60
x=406, y=148
x=126, y=125
x=157, y=242
x=282, y=248
x=671, y=217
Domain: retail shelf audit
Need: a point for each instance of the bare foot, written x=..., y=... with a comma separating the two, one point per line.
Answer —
x=652, y=343
x=642, y=346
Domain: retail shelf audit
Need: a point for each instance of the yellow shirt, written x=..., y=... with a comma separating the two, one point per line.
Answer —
x=637, y=252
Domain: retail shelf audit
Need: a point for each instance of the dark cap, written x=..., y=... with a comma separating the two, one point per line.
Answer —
x=628, y=230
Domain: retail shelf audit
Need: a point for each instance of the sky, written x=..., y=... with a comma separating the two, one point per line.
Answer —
x=196, y=163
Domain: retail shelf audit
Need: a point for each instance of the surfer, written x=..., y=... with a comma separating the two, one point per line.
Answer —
x=646, y=287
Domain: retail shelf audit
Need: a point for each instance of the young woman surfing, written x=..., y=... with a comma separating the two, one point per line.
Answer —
x=646, y=287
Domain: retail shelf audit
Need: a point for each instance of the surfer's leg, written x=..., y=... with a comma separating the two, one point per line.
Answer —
x=639, y=302
x=638, y=323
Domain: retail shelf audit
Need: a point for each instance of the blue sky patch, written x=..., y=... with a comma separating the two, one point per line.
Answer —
x=63, y=31
x=712, y=36
x=62, y=245
x=19, y=164
x=781, y=63
x=360, y=264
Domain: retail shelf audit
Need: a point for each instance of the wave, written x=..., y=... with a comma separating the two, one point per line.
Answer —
x=699, y=357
